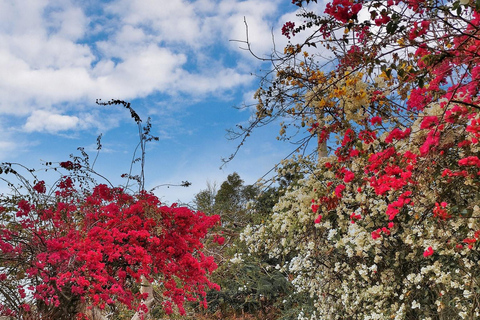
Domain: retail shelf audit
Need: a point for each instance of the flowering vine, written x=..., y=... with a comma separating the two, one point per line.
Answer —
x=391, y=211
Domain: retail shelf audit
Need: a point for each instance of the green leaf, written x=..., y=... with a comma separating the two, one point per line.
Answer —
x=421, y=82
x=456, y=5
x=392, y=27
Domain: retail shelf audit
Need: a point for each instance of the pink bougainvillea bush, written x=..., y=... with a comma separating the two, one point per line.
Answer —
x=67, y=252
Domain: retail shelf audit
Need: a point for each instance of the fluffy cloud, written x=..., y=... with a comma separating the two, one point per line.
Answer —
x=41, y=120
x=56, y=52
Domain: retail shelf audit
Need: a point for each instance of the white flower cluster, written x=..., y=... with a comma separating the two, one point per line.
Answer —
x=351, y=272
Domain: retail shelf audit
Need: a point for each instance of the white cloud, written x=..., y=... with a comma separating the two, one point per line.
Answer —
x=174, y=21
x=41, y=120
x=199, y=24
x=131, y=35
x=215, y=81
x=23, y=89
x=143, y=72
x=67, y=21
x=52, y=53
x=258, y=17
x=44, y=35
x=22, y=16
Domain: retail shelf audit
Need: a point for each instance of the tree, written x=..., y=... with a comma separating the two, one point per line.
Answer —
x=205, y=200
x=83, y=250
x=231, y=202
x=385, y=224
x=250, y=284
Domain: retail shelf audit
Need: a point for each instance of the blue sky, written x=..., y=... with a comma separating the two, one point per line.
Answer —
x=173, y=60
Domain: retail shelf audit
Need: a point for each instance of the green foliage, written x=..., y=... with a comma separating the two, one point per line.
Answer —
x=231, y=201
x=251, y=284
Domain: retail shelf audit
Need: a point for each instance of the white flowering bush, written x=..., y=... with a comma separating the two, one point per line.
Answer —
x=385, y=225
x=355, y=262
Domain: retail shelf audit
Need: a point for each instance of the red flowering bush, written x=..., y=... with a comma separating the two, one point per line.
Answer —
x=73, y=249
x=82, y=248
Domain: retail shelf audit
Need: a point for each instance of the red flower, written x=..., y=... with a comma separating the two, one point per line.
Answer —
x=376, y=234
x=440, y=212
x=349, y=176
x=288, y=29
x=219, y=240
x=40, y=187
x=69, y=165
x=25, y=307
x=376, y=120
x=25, y=208
x=428, y=252
x=343, y=10
x=338, y=190
x=354, y=217
x=398, y=134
